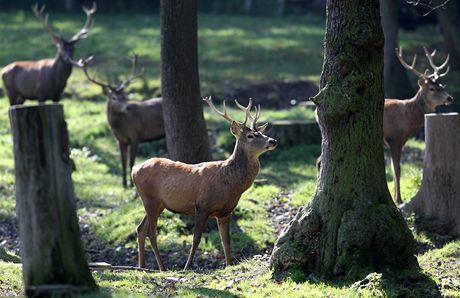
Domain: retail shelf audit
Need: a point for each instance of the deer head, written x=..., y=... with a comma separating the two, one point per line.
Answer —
x=431, y=90
x=65, y=47
x=251, y=138
x=113, y=93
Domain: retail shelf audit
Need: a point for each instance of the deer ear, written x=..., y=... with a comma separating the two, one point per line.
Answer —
x=235, y=129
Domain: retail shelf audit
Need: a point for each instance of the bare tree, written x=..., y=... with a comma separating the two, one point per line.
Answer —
x=397, y=83
x=185, y=129
x=449, y=21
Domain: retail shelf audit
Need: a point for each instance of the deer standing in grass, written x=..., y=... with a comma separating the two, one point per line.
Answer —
x=131, y=122
x=402, y=118
x=47, y=78
x=209, y=189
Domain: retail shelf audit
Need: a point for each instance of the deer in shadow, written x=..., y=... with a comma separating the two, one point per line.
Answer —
x=208, y=189
x=131, y=122
x=44, y=79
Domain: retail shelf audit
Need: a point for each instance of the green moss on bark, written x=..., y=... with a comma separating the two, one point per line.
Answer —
x=357, y=228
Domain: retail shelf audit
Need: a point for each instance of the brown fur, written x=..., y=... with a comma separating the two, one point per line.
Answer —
x=133, y=122
x=401, y=118
x=209, y=189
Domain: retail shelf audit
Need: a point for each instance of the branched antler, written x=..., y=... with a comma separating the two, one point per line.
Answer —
x=435, y=75
x=83, y=33
x=38, y=11
x=407, y=66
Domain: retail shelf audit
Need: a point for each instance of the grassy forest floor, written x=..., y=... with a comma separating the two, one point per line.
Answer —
x=234, y=49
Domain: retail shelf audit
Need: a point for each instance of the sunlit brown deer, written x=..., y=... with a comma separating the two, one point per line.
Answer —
x=403, y=117
x=209, y=189
x=47, y=78
x=131, y=122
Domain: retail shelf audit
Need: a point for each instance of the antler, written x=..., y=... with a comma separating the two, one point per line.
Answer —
x=407, y=66
x=38, y=11
x=83, y=63
x=208, y=100
x=252, y=119
x=83, y=33
x=133, y=75
x=435, y=75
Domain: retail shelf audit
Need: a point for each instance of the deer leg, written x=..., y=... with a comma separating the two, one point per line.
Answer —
x=224, y=231
x=395, y=151
x=132, y=159
x=123, y=154
x=200, y=222
x=153, y=215
x=142, y=231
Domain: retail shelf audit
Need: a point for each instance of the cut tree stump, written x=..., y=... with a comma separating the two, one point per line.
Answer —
x=51, y=248
x=439, y=195
x=295, y=132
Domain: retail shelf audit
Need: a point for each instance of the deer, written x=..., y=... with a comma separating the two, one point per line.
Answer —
x=401, y=118
x=208, y=189
x=131, y=122
x=45, y=79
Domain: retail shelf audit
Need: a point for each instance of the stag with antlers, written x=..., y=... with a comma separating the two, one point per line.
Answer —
x=131, y=122
x=403, y=117
x=47, y=78
x=209, y=189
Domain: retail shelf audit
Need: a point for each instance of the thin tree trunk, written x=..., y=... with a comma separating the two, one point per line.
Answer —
x=248, y=6
x=439, y=194
x=351, y=226
x=52, y=253
x=185, y=129
x=449, y=20
x=396, y=80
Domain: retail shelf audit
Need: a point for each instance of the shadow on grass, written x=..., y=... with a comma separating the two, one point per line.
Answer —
x=399, y=283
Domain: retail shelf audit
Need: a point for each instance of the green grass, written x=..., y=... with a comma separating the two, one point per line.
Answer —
x=237, y=49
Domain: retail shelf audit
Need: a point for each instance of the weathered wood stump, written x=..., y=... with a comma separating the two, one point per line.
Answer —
x=439, y=195
x=295, y=132
x=52, y=253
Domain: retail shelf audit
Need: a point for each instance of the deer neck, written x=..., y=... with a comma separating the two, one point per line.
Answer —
x=63, y=68
x=418, y=109
x=242, y=168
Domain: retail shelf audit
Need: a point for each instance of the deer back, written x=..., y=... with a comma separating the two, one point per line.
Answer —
x=136, y=121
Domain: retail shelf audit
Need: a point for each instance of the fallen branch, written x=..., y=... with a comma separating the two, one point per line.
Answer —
x=107, y=266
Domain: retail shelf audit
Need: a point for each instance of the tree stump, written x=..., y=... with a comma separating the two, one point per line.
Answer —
x=52, y=253
x=439, y=195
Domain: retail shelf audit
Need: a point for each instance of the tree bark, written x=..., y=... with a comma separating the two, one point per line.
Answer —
x=439, y=195
x=185, y=129
x=51, y=249
x=396, y=80
x=351, y=226
x=449, y=20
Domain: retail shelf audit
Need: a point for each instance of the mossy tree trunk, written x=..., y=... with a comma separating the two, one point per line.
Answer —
x=185, y=129
x=53, y=259
x=351, y=226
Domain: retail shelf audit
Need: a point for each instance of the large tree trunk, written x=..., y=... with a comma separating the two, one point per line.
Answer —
x=396, y=81
x=185, y=129
x=52, y=253
x=351, y=226
x=449, y=20
x=439, y=194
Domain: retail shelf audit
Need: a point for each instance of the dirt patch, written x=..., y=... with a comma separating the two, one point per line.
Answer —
x=270, y=94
